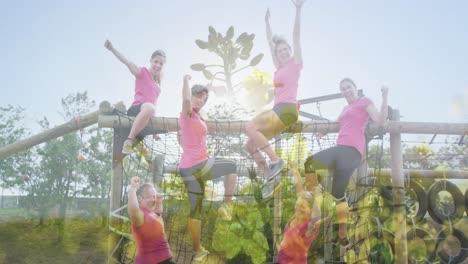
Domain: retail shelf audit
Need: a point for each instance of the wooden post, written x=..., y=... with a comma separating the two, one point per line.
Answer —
x=117, y=171
x=116, y=189
x=398, y=179
x=277, y=211
x=158, y=169
x=362, y=181
x=328, y=208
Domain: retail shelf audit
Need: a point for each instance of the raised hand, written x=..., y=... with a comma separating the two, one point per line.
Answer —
x=267, y=15
x=108, y=45
x=135, y=182
x=187, y=77
x=384, y=90
x=298, y=3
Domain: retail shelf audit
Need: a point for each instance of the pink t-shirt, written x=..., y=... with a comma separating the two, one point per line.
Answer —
x=146, y=89
x=151, y=241
x=193, y=139
x=296, y=243
x=353, y=122
x=286, y=81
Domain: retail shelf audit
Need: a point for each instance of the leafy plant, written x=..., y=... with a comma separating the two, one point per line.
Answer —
x=230, y=51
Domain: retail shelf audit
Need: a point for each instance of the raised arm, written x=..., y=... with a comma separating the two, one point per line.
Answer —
x=297, y=177
x=297, y=32
x=134, y=212
x=315, y=219
x=379, y=117
x=186, y=96
x=135, y=70
x=270, y=38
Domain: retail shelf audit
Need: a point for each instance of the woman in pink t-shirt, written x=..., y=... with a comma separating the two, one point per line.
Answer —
x=147, y=90
x=145, y=209
x=342, y=159
x=196, y=167
x=270, y=123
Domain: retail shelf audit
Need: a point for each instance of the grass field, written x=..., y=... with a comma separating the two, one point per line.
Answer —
x=23, y=240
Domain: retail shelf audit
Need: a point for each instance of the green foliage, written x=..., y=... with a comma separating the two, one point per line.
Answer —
x=230, y=53
x=244, y=234
x=257, y=87
x=12, y=168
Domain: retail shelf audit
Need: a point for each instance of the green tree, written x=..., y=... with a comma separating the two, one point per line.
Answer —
x=15, y=170
x=60, y=168
x=97, y=169
x=11, y=129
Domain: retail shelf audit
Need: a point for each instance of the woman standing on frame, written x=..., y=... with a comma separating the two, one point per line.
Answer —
x=342, y=159
x=196, y=167
x=270, y=123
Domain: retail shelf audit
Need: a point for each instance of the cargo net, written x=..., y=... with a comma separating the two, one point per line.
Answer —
x=256, y=229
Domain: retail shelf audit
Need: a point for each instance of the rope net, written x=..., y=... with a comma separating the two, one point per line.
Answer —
x=255, y=231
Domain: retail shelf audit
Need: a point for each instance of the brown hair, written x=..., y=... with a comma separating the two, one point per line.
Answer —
x=143, y=187
x=162, y=54
x=158, y=53
x=348, y=80
x=198, y=88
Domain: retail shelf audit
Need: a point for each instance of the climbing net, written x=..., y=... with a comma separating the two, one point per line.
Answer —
x=253, y=233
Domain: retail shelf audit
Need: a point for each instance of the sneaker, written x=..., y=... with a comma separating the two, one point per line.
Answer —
x=270, y=188
x=128, y=146
x=275, y=169
x=200, y=255
x=225, y=212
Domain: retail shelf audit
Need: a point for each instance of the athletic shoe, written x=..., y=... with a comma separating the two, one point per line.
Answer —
x=128, y=146
x=225, y=212
x=270, y=188
x=200, y=255
x=275, y=169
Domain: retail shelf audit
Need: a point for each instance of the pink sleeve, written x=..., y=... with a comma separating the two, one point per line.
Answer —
x=143, y=72
x=365, y=102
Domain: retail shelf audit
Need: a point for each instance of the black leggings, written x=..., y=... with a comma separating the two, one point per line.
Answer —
x=341, y=161
x=134, y=110
x=195, y=178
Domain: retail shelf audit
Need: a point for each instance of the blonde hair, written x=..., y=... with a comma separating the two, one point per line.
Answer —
x=277, y=40
x=308, y=197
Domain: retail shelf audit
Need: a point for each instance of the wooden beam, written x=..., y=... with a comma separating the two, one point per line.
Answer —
x=398, y=180
x=73, y=125
x=160, y=125
x=450, y=174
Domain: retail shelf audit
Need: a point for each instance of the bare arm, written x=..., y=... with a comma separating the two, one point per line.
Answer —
x=134, y=212
x=315, y=219
x=298, y=179
x=270, y=38
x=379, y=117
x=297, y=32
x=135, y=70
x=186, y=97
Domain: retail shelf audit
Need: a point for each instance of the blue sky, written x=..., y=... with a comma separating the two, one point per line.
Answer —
x=418, y=48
